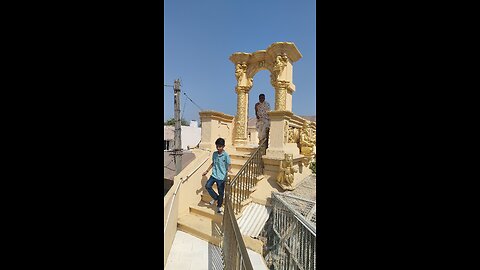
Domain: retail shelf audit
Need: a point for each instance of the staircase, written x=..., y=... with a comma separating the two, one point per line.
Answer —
x=238, y=157
x=202, y=221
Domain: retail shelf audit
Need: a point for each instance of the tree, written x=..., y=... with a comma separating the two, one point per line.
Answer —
x=171, y=122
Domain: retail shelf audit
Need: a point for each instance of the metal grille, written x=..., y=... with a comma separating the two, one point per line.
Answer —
x=306, y=208
x=294, y=238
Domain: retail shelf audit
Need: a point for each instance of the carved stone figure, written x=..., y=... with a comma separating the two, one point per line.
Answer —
x=293, y=135
x=286, y=175
x=278, y=66
x=306, y=143
x=249, y=82
x=240, y=73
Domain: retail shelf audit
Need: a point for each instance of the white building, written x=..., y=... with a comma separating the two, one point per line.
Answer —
x=191, y=136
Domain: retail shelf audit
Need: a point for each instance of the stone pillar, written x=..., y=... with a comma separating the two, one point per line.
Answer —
x=281, y=95
x=241, y=120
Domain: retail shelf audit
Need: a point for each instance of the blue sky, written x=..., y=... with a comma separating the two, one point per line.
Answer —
x=200, y=36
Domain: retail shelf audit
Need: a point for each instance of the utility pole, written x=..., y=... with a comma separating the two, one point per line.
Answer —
x=177, y=151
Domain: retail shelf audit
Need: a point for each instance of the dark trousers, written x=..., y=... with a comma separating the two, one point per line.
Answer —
x=220, y=187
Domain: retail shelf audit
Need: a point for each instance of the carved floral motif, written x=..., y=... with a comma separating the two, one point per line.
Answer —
x=241, y=112
x=280, y=99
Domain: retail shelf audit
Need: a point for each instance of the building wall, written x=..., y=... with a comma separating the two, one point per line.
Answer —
x=168, y=145
x=190, y=136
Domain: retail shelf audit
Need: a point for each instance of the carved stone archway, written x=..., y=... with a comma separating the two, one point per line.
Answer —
x=278, y=58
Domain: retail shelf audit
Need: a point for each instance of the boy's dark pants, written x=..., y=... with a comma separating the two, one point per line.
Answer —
x=220, y=187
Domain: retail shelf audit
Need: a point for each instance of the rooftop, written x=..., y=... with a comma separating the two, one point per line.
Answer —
x=169, y=164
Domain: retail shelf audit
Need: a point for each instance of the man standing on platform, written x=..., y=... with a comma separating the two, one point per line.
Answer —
x=263, y=121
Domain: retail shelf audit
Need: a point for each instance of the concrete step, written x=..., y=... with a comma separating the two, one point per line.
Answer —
x=241, y=188
x=206, y=198
x=237, y=162
x=244, y=150
x=202, y=227
x=258, y=179
x=239, y=155
x=236, y=166
x=209, y=211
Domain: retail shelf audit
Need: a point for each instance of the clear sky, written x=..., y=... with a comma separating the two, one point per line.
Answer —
x=200, y=36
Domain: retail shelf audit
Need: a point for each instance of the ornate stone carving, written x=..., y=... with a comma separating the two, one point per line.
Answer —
x=306, y=142
x=249, y=82
x=275, y=58
x=293, y=135
x=241, y=73
x=280, y=95
x=240, y=119
x=279, y=65
x=240, y=129
x=286, y=175
x=285, y=132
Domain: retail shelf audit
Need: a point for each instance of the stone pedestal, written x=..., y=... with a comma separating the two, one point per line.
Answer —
x=215, y=125
x=278, y=139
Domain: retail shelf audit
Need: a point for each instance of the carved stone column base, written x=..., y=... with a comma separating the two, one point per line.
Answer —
x=240, y=142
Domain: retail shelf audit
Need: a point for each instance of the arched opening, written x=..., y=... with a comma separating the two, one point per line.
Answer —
x=261, y=85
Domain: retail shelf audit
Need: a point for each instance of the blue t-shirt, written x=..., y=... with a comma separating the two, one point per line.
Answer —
x=220, y=165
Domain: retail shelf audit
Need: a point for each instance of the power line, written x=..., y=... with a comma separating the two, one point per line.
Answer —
x=192, y=101
x=183, y=113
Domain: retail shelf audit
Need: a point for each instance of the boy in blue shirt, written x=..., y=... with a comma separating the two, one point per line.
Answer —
x=220, y=164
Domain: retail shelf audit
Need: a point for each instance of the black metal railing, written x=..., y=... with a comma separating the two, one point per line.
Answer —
x=238, y=189
x=235, y=254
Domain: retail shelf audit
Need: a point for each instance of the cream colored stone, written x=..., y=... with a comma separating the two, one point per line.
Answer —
x=277, y=139
x=216, y=125
x=286, y=172
x=277, y=59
